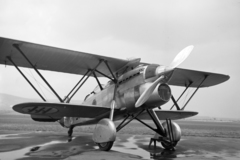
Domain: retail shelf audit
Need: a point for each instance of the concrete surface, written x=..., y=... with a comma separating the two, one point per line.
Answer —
x=52, y=145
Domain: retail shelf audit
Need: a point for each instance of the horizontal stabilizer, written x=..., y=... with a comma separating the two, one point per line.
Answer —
x=168, y=114
x=59, y=110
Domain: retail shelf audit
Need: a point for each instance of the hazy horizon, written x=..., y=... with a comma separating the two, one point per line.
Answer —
x=78, y=102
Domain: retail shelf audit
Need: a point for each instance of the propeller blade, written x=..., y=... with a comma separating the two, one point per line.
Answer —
x=147, y=93
x=181, y=57
x=161, y=71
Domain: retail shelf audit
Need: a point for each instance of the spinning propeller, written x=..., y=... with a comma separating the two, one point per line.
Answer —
x=164, y=73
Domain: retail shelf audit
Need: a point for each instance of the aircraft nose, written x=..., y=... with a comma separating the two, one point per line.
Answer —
x=162, y=70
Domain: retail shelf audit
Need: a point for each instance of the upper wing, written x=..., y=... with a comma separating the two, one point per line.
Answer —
x=59, y=110
x=168, y=114
x=62, y=60
x=56, y=59
x=183, y=77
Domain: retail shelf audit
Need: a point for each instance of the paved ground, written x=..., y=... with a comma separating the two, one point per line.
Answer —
x=52, y=145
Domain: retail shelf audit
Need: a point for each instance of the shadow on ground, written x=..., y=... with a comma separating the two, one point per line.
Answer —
x=52, y=145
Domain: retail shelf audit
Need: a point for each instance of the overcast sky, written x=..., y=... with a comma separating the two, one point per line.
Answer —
x=154, y=31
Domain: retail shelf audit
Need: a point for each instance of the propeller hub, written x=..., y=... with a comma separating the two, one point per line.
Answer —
x=163, y=73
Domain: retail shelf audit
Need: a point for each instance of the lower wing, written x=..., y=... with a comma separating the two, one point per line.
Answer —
x=168, y=114
x=59, y=110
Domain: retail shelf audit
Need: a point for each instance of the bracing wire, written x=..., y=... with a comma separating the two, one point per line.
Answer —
x=39, y=83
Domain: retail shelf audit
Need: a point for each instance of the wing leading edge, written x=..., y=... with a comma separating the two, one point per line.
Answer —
x=67, y=61
x=185, y=77
x=168, y=114
x=56, y=59
x=59, y=110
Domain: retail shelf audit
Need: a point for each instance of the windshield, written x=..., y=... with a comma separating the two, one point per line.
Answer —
x=98, y=89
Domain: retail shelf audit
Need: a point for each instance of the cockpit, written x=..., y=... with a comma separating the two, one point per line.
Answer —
x=98, y=89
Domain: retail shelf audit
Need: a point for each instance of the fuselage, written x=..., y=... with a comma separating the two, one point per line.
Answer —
x=131, y=85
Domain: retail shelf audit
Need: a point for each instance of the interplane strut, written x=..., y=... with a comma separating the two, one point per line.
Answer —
x=10, y=59
x=20, y=51
x=76, y=86
x=175, y=103
x=194, y=92
x=181, y=94
x=79, y=84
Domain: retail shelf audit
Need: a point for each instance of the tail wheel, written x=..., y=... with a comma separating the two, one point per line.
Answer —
x=167, y=145
x=106, y=146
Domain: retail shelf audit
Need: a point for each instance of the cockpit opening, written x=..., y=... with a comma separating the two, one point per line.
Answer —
x=98, y=89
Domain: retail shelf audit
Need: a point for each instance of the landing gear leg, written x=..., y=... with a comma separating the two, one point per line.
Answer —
x=105, y=134
x=70, y=131
x=105, y=131
x=173, y=132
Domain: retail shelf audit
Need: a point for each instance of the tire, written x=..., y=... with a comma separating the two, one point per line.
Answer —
x=105, y=146
x=168, y=145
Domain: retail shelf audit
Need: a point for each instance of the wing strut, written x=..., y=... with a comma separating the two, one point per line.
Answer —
x=110, y=71
x=18, y=48
x=89, y=72
x=187, y=87
x=10, y=59
x=194, y=92
x=99, y=84
x=175, y=103
x=104, y=75
x=67, y=97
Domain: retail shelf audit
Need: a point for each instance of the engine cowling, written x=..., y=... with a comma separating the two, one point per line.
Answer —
x=164, y=91
x=160, y=95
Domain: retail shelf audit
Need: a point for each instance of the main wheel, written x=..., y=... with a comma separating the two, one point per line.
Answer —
x=169, y=145
x=105, y=146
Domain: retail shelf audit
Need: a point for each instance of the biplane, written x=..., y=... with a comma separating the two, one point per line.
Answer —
x=134, y=90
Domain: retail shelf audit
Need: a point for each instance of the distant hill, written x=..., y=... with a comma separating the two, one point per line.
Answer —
x=213, y=119
x=7, y=101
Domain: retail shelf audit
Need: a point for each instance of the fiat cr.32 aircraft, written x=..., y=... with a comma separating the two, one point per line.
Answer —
x=134, y=90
